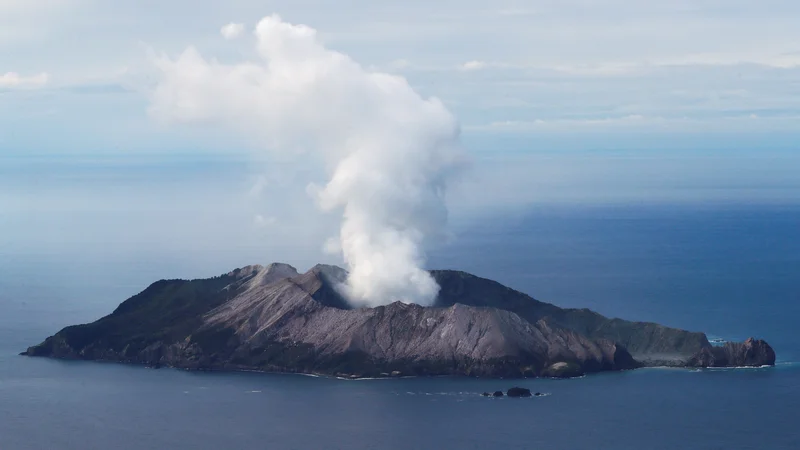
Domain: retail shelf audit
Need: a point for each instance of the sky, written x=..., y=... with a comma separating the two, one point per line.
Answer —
x=570, y=101
x=83, y=68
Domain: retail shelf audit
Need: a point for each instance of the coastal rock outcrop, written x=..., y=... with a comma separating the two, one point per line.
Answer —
x=750, y=353
x=563, y=370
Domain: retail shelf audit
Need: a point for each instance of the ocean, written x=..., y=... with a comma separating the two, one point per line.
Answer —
x=731, y=270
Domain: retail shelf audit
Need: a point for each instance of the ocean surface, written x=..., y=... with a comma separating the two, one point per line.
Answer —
x=732, y=271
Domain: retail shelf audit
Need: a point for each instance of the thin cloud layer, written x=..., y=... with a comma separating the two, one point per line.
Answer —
x=13, y=80
x=473, y=65
x=537, y=59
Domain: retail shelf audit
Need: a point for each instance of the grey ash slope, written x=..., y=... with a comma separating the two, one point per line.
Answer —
x=644, y=340
x=275, y=319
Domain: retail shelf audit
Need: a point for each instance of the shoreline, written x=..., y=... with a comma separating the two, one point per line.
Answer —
x=785, y=364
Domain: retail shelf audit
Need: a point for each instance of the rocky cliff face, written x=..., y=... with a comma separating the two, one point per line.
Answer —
x=275, y=319
x=749, y=353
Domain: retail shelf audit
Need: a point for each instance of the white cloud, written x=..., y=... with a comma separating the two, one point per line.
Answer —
x=399, y=64
x=259, y=186
x=786, y=60
x=261, y=221
x=232, y=30
x=473, y=65
x=516, y=12
x=740, y=123
x=13, y=80
x=630, y=120
x=602, y=69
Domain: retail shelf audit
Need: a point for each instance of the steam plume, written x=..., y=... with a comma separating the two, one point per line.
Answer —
x=391, y=152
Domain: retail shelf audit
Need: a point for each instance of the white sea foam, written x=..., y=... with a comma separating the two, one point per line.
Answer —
x=739, y=368
x=312, y=375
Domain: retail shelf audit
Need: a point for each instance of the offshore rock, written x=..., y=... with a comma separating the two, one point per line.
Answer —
x=518, y=392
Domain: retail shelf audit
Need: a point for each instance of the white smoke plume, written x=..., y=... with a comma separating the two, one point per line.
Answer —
x=391, y=153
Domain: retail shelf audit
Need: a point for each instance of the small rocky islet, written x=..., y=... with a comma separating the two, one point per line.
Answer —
x=275, y=319
x=514, y=392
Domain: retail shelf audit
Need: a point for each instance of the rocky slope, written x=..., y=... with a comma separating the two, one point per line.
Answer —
x=645, y=341
x=751, y=352
x=275, y=319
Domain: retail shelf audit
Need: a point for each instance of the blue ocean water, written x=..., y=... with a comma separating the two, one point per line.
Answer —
x=730, y=270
